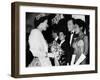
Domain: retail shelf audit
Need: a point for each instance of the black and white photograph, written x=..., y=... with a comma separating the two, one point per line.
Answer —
x=51, y=39
x=57, y=39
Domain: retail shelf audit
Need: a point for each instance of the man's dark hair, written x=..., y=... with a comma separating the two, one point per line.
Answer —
x=73, y=20
x=55, y=31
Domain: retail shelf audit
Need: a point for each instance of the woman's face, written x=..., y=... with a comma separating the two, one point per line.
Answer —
x=77, y=29
x=61, y=36
x=45, y=25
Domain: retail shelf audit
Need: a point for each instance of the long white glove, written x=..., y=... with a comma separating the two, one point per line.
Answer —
x=73, y=59
x=81, y=58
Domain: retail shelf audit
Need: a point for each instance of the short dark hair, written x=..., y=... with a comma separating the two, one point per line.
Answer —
x=73, y=20
x=63, y=30
x=80, y=23
x=55, y=31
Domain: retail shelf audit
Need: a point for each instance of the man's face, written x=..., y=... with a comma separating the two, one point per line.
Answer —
x=54, y=35
x=61, y=36
x=70, y=25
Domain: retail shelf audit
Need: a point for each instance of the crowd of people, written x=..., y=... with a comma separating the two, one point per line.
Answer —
x=69, y=45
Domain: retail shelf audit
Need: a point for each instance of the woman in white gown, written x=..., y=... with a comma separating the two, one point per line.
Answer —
x=38, y=45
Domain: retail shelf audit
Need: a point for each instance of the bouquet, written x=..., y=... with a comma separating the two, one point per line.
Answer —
x=56, y=50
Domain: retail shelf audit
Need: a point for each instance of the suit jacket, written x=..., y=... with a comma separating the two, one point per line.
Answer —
x=58, y=41
x=71, y=50
x=66, y=56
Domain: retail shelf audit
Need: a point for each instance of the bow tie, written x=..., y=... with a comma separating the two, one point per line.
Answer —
x=72, y=32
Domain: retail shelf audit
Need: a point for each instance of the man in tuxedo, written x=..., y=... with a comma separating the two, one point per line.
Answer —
x=70, y=35
x=70, y=25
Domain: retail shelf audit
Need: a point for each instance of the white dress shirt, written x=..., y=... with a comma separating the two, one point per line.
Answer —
x=61, y=42
x=56, y=38
x=71, y=37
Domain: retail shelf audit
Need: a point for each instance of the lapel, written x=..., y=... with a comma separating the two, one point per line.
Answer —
x=61, y=43
x=72, y=38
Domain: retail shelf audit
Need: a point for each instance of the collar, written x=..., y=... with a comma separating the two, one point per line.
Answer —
x=62, y=42
x=56, y=38
x=72, y=31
